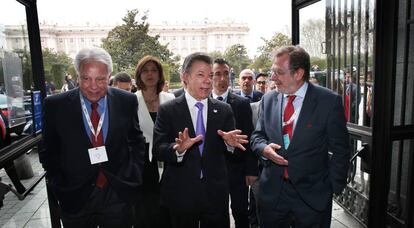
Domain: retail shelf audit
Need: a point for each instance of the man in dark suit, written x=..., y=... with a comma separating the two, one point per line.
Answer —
x=246, y=82
x=297, y=127
x=93, y=147
x=242, y=165
x=192, y=134
x=178, y=92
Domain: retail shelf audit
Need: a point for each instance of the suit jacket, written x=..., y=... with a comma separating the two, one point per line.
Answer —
x=65, y=154
x=257, y=95
x=179, y=92
x=147, y=125
x=180, y=183
x=321, y=127
x=243, y=116
x=255, y=106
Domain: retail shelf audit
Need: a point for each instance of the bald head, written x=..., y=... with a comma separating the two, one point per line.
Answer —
x=246, y=81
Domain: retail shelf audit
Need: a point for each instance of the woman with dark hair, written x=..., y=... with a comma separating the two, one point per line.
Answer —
x=150, y=81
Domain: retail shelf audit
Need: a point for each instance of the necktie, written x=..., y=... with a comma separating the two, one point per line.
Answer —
x=288, y=125
x=200, y=130
x=220, y=98
x=101, y=179
x=248, y=97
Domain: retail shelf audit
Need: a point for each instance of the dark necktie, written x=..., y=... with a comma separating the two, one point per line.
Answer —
x=248, y=97
x=220, y=98
x=98, y=141
x=288, y=125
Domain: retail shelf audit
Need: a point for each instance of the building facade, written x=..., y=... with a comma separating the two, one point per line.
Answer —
x=181, y=39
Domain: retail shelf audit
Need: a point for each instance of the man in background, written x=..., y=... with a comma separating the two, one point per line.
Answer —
x=261, y=82
x=246, y=82
x=242, y=165
x=122, y=80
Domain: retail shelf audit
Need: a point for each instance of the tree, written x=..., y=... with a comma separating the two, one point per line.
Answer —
x=312, y=35
x=216, y=55
x=278, y=40
x=261, y=62
x=55, y=65
x=236, y=56
x=129, y=42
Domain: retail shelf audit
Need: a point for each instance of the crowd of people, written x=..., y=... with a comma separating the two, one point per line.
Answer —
x=261, y=151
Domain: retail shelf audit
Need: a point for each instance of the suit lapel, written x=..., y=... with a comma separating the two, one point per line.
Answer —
x=78, y=115
x=308, y=107
x=111, y=115
x=182, y=107
x=212, y=119
x=278, y=112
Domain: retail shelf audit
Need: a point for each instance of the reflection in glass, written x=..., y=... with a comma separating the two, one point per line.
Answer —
x=349, y=45
x=15, y=73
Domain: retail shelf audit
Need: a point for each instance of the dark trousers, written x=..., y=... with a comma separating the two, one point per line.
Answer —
x=213, y=218
x=148, y=211
x=291, y=210
x=238, y=194
x=205, y=215
x=104, y=209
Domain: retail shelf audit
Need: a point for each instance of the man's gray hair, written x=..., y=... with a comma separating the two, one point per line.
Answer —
x=93, y=54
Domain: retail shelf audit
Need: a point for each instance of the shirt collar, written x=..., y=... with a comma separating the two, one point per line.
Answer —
x=301, y=92
x=224, y=95
x=191, y=101
x=101, y=103
x=244, y=95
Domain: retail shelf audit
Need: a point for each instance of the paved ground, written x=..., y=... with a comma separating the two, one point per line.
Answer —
x=33, y=211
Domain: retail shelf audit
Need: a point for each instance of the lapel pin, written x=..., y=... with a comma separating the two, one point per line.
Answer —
x=215, y=110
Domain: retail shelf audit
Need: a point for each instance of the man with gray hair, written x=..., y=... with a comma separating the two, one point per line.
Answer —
x=93, y=147
x=302, y=141
x=247, y=82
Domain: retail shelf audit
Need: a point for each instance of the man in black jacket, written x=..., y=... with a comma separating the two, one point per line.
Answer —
x=242, y=165
x=93, y=147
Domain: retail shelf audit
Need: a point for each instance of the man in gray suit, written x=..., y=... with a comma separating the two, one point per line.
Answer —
x=297, y=127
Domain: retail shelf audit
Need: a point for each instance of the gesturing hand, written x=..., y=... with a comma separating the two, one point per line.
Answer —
x=183, y=142
x=234, y=138
x=269, y=152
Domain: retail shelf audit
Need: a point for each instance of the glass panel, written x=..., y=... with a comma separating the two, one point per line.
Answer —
x=404, y=77
x=349, y=47
x=15, y=73
x=312, y=39
x=410, y=80
x=401, y=166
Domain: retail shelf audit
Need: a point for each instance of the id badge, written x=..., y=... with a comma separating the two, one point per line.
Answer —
x=98, y=155
x=286, y=141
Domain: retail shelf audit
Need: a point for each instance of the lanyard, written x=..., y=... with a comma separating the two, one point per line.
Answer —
x=88, y=119
x=291, y=119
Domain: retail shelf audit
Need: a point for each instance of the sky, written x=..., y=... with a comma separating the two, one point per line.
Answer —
x=264, y=17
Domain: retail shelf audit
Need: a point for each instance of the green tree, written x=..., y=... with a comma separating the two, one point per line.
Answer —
x=55, y=65
x=216, y=55
x=278, y=40
x=129, y=42
x=261, y=62
x=236, y=56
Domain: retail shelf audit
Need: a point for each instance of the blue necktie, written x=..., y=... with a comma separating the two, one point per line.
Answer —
x=200, y=130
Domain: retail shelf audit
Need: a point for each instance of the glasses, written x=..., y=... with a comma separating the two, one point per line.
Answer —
x=261, y=82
